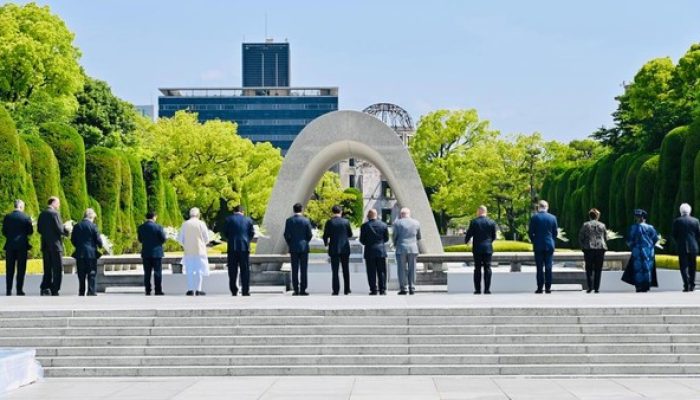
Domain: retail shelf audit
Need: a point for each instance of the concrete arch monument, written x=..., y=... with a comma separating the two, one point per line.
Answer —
x=329, y=139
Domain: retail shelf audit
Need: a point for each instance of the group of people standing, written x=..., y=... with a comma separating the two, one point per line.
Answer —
x=543, y=230
x=238, y=231
x=337, y=233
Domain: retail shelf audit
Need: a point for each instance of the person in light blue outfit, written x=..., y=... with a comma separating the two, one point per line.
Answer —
x=641, y=270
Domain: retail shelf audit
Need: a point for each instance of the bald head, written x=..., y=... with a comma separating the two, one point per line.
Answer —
x=405, y=212
x=372, y=214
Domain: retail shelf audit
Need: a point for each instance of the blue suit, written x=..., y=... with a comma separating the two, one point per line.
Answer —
x=542, y=232
x=483, y=231
x=152, y=237
x=238, y=232
x=297, y=233
x=86, y=239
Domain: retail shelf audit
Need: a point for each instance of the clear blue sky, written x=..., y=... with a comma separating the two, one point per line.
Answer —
x=547, y=66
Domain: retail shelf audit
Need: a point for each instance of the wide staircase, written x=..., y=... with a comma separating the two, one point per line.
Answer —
x=456, y=341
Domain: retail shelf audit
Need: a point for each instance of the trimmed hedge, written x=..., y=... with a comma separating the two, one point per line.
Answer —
x=125, y=240
x=631, y=188
x=28, y=190
x=95, y=205
x=140, y=203
x=668, y=179
x=103, y=175
x=175, y=215
x=44, y=170
x=616, y=218
x=155, y=191
x=601, y=184
x=646, y=184
x=69, y=149
x=686, y=189
x=498, y=246
x=11, y=168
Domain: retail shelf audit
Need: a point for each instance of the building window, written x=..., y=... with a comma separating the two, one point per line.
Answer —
x=386, y=215
x=386, y=190
x=351, y=182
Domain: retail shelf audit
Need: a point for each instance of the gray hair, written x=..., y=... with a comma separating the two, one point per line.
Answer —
x=194, y=212
x=405, y=212
x=19, y=204
x=90, y=214
x=542, y=205
x=685, y=209
x=483, y=209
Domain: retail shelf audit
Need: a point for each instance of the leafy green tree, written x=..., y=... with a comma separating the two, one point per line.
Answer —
x=439, y=150
x=39, y=72
x=208, y=162
x=328, y=192
x=685, y=86
x=645, y=110
x=353, y=208
x=103, y=119
x=668, y=179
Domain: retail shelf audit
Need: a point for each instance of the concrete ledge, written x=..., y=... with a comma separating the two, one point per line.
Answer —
x=18, y=367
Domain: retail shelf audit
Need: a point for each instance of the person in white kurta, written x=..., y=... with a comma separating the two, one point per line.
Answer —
x=193, y=237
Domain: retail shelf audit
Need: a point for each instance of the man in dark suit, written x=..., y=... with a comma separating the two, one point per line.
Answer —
x=482, y=230
x=373, y=235
x=336, y=235
x=16, y=227
x=238, y=232
x=686, y=232
x=152, y=237
x=52, y=231
x=86, y=239
x=297, y=234
x=543, y=231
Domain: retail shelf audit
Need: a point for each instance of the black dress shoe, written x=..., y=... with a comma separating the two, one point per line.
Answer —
x=160, y=294
x=200, y=293
x=348, y=292
x=189, y=293
x=538, y=291
x=477, y=292
x=8, y=294
x=92, y=294
x=55, y=294
x=334, y=294
x=234, y=293
x=246, y=294
x=45, y=292
x=20, y=293
x=411, y=292
x=547, y=291
x=148, y=293
x=372, y=293
x=295, y=294
x=382, y=293
x=588, y=291
x=303, y=294
x=402, y=292
x=597, y=291
x=487, y=292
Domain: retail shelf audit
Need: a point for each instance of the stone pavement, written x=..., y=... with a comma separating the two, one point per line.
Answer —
x=359, y=388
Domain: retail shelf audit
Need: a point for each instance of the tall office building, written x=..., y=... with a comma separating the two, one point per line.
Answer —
x=265, y=64
x=266, y=108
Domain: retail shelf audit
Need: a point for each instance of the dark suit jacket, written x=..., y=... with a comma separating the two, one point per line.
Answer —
x=51, y=229
x=16, y=227
x=86, y=239
x=238, y=232
x=373, y=235
x=543, y=231
x=483, y=231
x=297, y=233
x=152, y=237
x=686, y=232
x=336, y=235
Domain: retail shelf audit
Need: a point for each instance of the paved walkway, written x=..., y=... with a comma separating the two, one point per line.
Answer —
x=354, y=301
x=359, y=388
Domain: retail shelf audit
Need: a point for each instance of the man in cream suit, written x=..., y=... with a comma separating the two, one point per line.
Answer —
x=406, y=237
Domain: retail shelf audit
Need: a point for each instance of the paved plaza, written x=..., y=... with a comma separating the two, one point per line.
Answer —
x=360, y=388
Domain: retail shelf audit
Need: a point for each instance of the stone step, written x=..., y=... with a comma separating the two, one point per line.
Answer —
x=379, y=369
x=296, y=340
x=387, y=359
x=330, y=330
x=368, y=350
x=529, y=312
x=55, y=322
